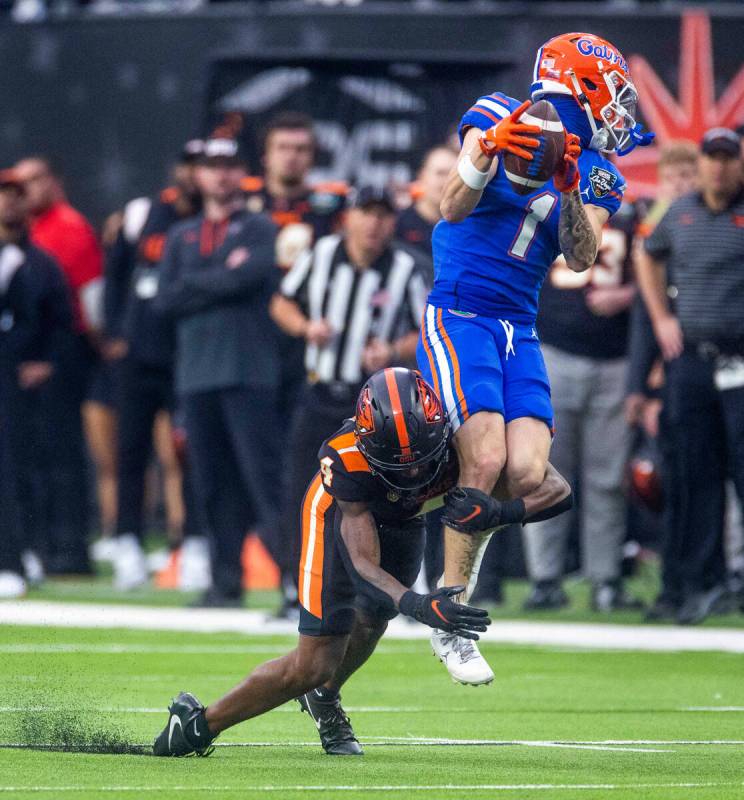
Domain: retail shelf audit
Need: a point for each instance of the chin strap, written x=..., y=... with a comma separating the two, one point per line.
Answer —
x=638, y=138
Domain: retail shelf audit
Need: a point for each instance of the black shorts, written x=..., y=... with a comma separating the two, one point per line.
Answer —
x=328, y=597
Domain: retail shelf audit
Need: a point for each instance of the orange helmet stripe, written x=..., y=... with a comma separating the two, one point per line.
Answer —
x=400, y=423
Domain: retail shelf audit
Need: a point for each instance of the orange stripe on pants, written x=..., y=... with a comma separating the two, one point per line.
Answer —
x=455, y=365
x=316, y=504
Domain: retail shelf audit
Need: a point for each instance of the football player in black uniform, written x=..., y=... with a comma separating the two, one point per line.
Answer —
x=363, y=538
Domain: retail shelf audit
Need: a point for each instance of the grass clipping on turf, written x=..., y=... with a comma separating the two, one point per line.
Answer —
x=71, y=732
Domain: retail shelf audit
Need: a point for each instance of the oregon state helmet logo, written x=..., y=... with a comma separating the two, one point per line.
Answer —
x=365, y=418
x=430, y=403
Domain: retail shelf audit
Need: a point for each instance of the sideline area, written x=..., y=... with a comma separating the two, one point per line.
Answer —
x=590, y=636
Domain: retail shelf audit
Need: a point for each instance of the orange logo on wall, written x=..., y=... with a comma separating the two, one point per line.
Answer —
x=688, y=116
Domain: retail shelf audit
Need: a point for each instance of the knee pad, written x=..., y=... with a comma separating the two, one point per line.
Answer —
x=473, y=511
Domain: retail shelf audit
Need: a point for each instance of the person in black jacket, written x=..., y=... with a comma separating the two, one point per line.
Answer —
x=35, y=325
x=140, y=341
x=217, y=276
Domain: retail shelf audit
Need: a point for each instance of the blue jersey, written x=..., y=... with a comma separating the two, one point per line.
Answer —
x=495, y=260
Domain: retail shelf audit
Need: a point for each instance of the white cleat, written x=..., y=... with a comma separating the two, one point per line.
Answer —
x=12, y=585
x=195, y=569
x=462, y=658
x=130, y=563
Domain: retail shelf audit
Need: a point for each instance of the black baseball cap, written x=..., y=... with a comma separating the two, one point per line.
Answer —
x=721, y=140
x=220, y=150
x=363, y=196
x=192, y=151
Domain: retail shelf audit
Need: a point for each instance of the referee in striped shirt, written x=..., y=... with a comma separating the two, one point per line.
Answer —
x=356, y=298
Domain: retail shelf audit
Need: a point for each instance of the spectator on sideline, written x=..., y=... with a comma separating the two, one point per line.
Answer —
x=416, y=223
x=356, y=301
x=583, y=324
x=677, y=176
x=140, y=341
x=57, y=228
x=302, y=212
x=216, y=279
x=698, y=249
x=35, y=325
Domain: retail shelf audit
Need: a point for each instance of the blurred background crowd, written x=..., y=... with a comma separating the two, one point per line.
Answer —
x=168, y=374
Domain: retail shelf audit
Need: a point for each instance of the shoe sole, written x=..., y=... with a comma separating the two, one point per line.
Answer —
x=487, y=682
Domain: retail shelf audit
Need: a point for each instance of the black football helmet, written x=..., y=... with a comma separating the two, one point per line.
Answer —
x=402, y=429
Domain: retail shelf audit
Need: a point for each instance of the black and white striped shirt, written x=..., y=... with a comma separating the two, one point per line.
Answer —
x=704, y=255
x=384, y=301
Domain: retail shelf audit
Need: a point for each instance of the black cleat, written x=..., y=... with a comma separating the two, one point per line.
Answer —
x=700, y=605
x=334, y=727
x=546, y=596
x=175, y=739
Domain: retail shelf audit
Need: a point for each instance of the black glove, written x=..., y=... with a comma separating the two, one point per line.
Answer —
x=437, y=611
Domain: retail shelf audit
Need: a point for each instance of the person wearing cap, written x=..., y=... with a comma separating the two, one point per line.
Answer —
x=355, y=299
x=35, y=329
x=140, y=342
x=216, y=279
x=694, y=257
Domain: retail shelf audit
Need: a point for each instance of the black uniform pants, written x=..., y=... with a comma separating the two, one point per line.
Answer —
x=10, y=522
x=702, y=442
x=320, y=411
x=142, y=391
x=62, y=465
x=232, y=436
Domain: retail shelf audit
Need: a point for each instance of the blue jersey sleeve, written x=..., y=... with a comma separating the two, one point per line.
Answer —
x=486, y=112
x=601, y=182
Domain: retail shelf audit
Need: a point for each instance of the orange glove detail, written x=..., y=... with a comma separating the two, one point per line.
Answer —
x=505, y=136
x=567, y=176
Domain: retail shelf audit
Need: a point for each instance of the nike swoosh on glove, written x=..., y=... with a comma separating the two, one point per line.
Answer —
x=438, y=610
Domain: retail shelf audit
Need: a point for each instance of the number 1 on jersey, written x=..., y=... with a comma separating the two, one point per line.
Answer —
x=538, y=210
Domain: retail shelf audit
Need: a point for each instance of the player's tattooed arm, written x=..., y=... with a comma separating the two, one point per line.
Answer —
x=580, y=231
x=360, y=551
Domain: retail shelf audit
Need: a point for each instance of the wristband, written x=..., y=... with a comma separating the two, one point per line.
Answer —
x=471, y=176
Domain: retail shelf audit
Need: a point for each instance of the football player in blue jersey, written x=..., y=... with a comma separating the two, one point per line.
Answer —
x=478, y=347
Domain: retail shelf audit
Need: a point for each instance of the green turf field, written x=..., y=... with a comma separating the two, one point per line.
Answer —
x=556, y=723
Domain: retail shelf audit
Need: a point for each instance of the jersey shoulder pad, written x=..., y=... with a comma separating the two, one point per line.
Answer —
x=252, y=183
x=344, y=470
x=486, y=112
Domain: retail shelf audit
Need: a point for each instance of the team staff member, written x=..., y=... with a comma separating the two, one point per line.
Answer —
x=698, y=247
x=362, y=546
x=354, y=301
x=141, y=341
x=58, y=229
x=416, y=224
x=216, y=279
x=583, y=325
x=35, y=327
x=301, y=211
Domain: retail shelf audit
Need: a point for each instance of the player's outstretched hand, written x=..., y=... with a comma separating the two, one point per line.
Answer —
x=567, y=176
x=508, y=136
x=438, y=610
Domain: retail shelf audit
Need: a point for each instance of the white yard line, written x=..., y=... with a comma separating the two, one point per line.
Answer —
x=712, y=708
x=547, y=634
x=441, y=787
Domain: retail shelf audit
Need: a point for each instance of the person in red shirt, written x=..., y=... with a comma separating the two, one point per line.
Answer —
x=64, y=233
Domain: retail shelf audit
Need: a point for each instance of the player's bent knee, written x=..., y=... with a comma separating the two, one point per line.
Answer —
x=524, y=476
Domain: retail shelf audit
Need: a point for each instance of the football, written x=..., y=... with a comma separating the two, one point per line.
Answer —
x=527, y=176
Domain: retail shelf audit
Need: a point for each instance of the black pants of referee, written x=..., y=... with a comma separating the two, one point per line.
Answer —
x=232, y=439
x=703, y=443
x=320, y=411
